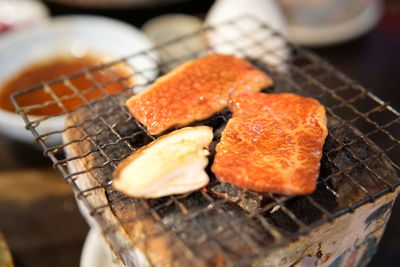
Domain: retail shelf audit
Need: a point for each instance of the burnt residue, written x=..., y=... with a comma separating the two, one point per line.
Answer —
x=223, y=224
x=248, y=200
x=353, y=166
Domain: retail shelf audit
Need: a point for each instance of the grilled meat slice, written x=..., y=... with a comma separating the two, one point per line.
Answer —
x=194, y=91
x=172, y=164
x=273, y=143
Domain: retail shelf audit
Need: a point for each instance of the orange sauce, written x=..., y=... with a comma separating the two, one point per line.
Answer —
x=54, y=68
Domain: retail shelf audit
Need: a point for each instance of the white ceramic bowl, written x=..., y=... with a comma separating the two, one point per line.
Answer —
x=68, y=34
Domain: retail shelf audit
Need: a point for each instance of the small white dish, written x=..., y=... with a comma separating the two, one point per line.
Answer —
x=73, y=34
x=339, y=32
x=21, y=15
x=238, y=31
x=95, y=252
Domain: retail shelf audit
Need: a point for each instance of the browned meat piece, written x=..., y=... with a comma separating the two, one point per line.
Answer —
x=273, y=143
x=194, y=91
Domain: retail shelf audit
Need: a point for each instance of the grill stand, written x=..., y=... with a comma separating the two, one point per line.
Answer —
x=350, y=240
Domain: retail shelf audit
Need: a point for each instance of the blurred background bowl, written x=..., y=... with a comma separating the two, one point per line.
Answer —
x=75, y=35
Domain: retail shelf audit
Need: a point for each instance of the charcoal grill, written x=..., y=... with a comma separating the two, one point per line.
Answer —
x=356, y=188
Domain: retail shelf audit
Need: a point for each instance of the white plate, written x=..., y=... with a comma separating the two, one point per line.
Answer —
x=75, y=35
x=95, y=252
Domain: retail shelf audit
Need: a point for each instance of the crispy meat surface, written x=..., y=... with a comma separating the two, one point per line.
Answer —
x=194, y=91
x=272, y=143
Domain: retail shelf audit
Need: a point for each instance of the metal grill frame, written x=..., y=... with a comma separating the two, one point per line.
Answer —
x=324, y=81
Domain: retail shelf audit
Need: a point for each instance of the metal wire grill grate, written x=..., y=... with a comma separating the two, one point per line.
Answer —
x=360, y=160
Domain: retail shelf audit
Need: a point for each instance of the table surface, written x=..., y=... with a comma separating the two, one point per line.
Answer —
x=39, y=217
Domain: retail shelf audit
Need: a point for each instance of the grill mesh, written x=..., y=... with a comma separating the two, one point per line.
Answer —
x=360, y=160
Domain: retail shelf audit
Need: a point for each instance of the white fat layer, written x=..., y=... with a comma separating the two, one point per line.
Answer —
x=182, y=180
x=173, y=165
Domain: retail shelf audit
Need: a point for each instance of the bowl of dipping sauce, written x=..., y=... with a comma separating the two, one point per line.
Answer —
x=64, y=46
